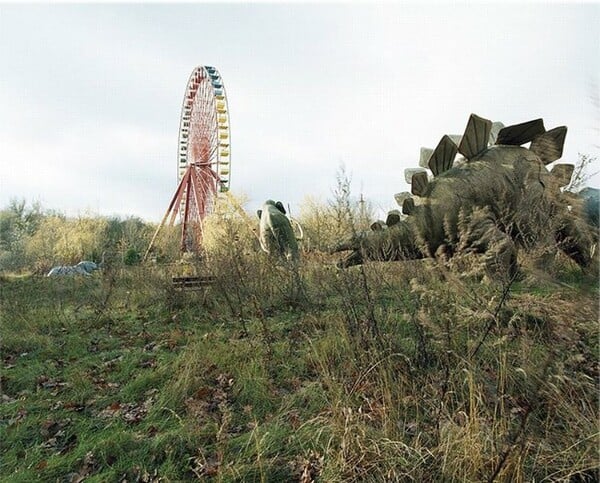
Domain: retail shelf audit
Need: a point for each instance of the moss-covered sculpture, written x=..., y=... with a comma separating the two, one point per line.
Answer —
x=499, y=196
x=275, y=231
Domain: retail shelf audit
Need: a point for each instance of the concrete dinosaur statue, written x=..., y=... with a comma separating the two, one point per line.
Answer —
x=498, y=196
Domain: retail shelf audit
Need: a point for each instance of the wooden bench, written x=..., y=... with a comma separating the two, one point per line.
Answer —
x=193, y=283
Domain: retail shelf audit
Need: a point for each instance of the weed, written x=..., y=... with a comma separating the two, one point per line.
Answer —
x=408, y=371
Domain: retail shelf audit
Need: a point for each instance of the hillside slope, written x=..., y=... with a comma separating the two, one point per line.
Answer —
x=386, y=372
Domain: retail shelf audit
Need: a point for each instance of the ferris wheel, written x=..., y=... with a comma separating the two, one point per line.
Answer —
x=204, y=134
x=203, y=156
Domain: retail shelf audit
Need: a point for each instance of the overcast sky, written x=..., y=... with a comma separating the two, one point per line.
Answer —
x=90, y=94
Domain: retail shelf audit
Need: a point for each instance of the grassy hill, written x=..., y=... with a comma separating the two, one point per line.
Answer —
x=387, y=372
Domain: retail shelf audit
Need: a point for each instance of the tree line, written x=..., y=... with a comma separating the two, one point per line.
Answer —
x=35, y=239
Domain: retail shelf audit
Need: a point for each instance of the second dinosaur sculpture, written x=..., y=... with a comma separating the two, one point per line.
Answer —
x=276, y=234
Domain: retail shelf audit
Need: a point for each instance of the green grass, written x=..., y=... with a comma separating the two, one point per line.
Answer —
x=419, y=375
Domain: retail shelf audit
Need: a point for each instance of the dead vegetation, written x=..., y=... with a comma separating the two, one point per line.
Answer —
x=423, y=370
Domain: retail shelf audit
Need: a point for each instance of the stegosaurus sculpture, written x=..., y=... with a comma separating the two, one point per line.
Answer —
x=499, y=196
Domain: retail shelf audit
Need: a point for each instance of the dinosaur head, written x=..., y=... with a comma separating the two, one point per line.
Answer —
x=387, y=240
x=276, y=204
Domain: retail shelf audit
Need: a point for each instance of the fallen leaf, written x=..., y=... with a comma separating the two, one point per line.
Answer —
x=7, y=399
x=73, y=406
x=21, y=414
